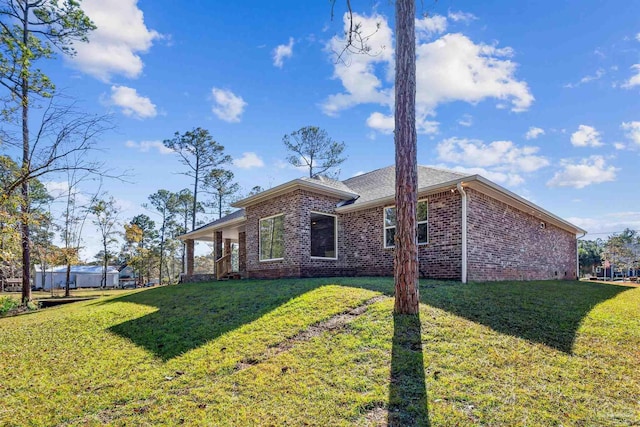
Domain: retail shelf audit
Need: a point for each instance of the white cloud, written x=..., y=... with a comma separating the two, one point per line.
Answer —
x=466, y=120
x=461, y=16
x=451, y=68
x=634, y=80
x=281, y=52
x=227, y=106
x=59, y=190
x=430, y=25
x=586, y=79
x=132, y=104
x=607, y=224
x=248, y=160
x=500, y=155
x=534, y=132
x=146, y=146
x=114, y=48
x=638, y=37
x=586, y=136
x=632, y=131
x=382, y=123
x=592, y=170
x=619, y=146
x=357, y=72
x=505, y=178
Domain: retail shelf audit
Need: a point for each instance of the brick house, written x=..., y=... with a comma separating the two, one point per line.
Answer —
x=469, y=228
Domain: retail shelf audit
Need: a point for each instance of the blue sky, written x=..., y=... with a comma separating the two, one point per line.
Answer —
x=540, y=97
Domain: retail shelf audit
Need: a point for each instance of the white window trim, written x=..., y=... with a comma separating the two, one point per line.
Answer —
x=335, y=227
x=260, y=238
x=385, y=228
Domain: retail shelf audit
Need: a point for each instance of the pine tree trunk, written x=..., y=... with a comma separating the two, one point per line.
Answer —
x=67, y=292
x=24, y=222
x=406, y=251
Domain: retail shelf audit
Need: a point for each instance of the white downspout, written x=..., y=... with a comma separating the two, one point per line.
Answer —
x=578, y=256
x=464, y=232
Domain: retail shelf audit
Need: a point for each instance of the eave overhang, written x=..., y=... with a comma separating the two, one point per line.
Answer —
x=296, y=184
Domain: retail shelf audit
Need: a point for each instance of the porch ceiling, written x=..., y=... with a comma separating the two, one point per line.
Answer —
x=230, y=230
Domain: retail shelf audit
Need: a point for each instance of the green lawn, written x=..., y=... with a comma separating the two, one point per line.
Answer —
x=328, y=352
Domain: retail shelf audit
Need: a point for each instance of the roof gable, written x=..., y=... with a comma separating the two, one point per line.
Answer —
x=381, y=183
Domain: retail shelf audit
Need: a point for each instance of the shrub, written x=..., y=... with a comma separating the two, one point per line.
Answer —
x=7, y=304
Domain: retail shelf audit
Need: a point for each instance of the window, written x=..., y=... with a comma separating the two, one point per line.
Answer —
x=323, y=236
x=390, y=224
x=272, y=238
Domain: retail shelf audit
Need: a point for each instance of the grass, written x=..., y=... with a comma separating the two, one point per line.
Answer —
x=285, y=353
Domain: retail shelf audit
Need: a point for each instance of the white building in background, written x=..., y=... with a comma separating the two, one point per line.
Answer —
x=82, y=276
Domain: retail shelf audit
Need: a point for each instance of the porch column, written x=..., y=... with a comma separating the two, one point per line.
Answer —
x=218, y=245
x=242, y=253
x=227, y=247
x=190, y=249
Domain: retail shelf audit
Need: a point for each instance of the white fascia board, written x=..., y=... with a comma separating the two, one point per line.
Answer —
x=208, y=231
x=290, y=186
x=423, y=191
x=500, y=193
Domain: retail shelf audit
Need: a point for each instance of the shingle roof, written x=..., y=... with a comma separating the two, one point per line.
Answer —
x=233, y=215
x=380, y=183
x=368, y=187
x=330, y=183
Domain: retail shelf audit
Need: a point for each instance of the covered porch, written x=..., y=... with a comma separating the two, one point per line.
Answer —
x=229, y=249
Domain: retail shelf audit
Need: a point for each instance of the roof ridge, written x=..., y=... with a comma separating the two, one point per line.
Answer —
x=445, y=170
x=368, y=173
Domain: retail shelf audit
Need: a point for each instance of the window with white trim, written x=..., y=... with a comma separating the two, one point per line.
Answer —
x=390, y=224
x=323, y=236
x=272, y=238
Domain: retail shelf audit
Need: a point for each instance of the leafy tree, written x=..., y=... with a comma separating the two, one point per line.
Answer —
x=311, y=147
x=219, y=183
x=10, y=215
x=142, y=231
x=72, y=223
x=105, y=214
x=589, y=255
x=255, y=190
x=9, y=222
x=623, y=249
x=42, y=225
x=184, y=207
x=164, y=202
x=29, y=32
x=199, y=152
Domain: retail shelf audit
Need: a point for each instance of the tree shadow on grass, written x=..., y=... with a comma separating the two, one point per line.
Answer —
x=546, y=312
x=190, y=315
x=407, y=389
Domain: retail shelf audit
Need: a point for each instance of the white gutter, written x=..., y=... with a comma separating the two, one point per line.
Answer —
x=464, y=232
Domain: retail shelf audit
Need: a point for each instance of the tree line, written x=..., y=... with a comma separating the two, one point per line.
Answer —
x=620, y=251
x=31, y=31
x=151, y=248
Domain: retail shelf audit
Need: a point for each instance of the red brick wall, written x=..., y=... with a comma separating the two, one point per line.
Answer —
x=296, y=207
x=503, y=242
x=507, y=244
x=360, y=239
x=440, y=258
